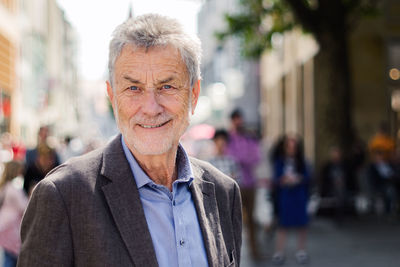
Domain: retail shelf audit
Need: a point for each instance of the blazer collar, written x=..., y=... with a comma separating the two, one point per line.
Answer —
x=126, y=208
x=205, y=200
x=125, y=205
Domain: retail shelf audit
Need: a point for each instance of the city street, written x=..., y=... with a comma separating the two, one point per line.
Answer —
x=356, y=243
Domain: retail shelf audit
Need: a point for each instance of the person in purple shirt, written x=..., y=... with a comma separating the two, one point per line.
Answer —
x=246, y=152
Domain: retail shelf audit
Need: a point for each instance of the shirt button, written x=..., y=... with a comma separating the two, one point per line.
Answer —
x=182, y=242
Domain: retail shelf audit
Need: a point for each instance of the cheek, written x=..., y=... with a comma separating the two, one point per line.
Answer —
x=125, y=106
x=184, y=101
x=184, y=108
x=177, y=104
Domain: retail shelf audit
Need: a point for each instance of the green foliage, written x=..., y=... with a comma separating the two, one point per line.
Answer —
x=259, y=20
x=256, y=24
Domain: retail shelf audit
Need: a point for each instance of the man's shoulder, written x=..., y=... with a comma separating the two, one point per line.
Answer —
x=81, y=168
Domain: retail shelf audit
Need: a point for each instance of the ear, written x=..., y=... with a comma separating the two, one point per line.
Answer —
x=195, y=95
x=110, y=92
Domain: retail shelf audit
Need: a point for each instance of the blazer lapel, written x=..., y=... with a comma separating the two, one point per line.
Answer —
x=126, y=208
x=204, y=197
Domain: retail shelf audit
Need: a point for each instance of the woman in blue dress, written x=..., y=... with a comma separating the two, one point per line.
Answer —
x=291, y=181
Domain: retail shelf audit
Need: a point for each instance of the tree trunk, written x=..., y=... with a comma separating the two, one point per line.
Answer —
x=333, y=93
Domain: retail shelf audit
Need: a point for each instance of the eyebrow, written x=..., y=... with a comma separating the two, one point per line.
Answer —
x=132, y=80
x=165, y=80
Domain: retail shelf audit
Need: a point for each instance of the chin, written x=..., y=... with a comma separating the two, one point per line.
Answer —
x=150, y=146
x=151, y=150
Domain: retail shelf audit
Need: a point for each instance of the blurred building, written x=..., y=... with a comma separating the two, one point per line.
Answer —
x=287, y=80
x=48, y=70
x=292, y=94
x=229, y=81
x=9, y=45
x=391, y=52
x=96, y=112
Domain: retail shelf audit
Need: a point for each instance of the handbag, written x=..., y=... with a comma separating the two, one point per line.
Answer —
x=263, y=212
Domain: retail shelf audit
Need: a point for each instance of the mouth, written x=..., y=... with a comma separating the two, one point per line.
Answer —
x=146, y=126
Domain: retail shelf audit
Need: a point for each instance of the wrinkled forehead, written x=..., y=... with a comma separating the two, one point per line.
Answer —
x=152, y=54
x=141, y=58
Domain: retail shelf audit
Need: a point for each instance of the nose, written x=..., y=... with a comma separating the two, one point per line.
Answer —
x=150, y=104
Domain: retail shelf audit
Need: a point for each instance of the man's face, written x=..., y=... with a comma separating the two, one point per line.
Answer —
x=43, y=134
x=152, y=98
x=237, y=123
x=220, y=145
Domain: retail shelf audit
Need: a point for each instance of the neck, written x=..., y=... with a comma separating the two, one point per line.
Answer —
x=161, y=169
x=220, y=153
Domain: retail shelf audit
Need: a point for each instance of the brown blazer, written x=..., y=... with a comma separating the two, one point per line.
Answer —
x=88, y=212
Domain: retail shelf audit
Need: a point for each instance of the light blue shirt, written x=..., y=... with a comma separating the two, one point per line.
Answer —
x=171, y=216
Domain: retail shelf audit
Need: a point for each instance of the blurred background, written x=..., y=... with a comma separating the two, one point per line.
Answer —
x=327, y=71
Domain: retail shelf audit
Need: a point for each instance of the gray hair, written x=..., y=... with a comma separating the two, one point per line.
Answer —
x=153, y=30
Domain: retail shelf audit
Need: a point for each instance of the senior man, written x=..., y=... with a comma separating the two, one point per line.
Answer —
x=140, y=200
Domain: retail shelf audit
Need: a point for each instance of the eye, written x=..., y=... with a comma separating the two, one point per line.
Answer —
x=133, y=88
x=166, y=86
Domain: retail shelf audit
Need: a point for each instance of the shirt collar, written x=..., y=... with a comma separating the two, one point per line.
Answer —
x=185, y=173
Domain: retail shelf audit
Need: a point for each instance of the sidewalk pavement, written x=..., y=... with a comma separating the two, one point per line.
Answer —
x=366, y=242
x=356, y=243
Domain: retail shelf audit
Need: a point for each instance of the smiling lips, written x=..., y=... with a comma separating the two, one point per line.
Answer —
x=153, y=126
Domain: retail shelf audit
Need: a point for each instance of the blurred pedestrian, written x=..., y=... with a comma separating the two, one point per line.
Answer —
x=246, y=152
x=382, y=178
x=291, y=184
x=42, y=138
x=396, y=168
x=45, y=160
x=6, y=150
x=140, y=200
x=12, y=144
x=13, y=202
x=221, y=160
x=355, y=161
x=333, y=183
x=383, y=142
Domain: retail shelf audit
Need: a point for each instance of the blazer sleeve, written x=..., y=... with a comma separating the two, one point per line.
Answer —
x=237, y=222
x=45, y=231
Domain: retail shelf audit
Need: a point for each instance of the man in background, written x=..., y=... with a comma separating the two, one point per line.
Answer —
x=246, y=152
